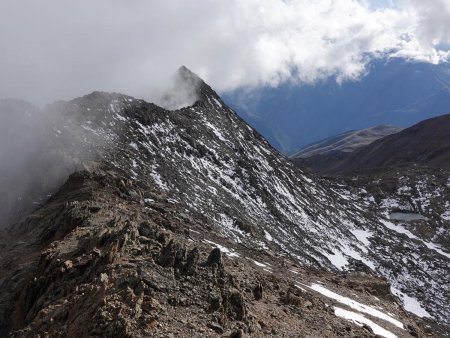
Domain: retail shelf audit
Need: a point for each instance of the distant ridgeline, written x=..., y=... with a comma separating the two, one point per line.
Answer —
x=394, y=92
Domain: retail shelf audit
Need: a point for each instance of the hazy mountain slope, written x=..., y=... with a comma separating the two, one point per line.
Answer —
x=393, y=92
x=426, y=143
x=345, y=142
x=208, y=161
x=33, y=162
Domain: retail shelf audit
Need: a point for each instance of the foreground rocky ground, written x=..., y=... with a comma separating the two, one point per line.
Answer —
x=109, y=257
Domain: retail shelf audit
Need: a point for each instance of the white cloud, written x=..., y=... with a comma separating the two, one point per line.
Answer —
x=61, y=49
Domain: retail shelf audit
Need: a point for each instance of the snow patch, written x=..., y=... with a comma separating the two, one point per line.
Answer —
x=217, y=102
x=158, y=180
x=268, y=237
x=410, y=304
x=337, y=259
x=362, y=236
x=401, y=230
x=259, y=264
x=216, y=131
x=225, y=250
x=359, y=320
x=355, y=305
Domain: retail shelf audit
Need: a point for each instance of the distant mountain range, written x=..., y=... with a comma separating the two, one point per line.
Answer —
x=393, y=92
x=346, y=142
x=426, y=143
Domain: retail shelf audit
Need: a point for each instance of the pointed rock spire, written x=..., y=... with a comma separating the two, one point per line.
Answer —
x=205, y=95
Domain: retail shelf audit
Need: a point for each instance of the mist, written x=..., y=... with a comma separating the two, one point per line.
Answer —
x=178, y=91
x=55, y=50
x=39, y=149
x=22, y=150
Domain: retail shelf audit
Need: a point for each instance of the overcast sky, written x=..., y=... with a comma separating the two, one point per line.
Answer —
x=63, y=49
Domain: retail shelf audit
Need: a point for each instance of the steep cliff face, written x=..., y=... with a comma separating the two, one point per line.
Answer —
x=205, y=177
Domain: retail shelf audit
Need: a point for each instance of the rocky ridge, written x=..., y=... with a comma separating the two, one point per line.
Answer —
x=208, y=163
x=98, y=261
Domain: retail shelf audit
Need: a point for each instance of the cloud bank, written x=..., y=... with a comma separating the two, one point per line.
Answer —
x=62, y=49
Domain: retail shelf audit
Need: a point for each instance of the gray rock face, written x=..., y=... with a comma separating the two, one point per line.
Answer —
x=213, y=168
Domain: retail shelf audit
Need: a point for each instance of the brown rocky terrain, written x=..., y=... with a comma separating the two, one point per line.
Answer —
x=109, y=257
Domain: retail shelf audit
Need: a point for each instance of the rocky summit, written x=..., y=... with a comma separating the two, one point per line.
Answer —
x=187, y=223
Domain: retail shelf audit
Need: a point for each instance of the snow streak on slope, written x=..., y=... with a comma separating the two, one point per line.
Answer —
x=410, y=304
x=360, y=320
x=401, y=230
x=421, y=241
x=356, y=305
x=208, y=159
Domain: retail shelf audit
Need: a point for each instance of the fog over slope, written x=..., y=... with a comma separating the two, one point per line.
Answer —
x=40, y=148
x=23, y=148
x=37, y=154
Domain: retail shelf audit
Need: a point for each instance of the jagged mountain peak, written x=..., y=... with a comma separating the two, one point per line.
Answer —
x=93, y=99
x=101, y=95
x=213, y=168
x=204, y=94
x=186, y=73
